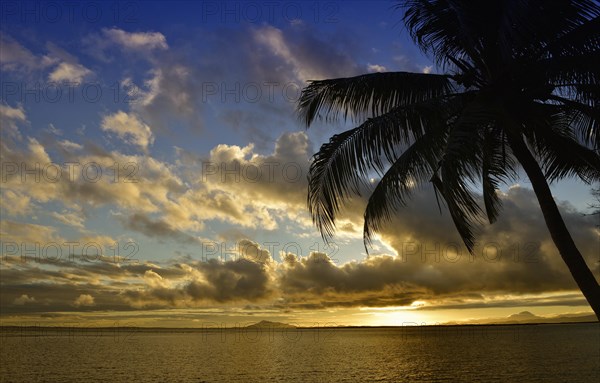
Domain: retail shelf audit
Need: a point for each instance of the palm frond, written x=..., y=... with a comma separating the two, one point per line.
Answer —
x=498, y=166
x=585, y=120
x=415, y=166
x=369, y=95
x=342, y=165
x=461, y=166
x=580, y=161
x=548, y=27
x=571, y=71
x=463, y=208
x=583, y=38
x=445, y=28
x=553, y=136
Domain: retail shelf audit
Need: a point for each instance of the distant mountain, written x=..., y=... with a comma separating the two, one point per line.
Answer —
x=525, y=317
x=269, y=324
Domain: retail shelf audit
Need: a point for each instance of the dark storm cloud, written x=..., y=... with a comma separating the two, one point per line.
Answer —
x=235, y=280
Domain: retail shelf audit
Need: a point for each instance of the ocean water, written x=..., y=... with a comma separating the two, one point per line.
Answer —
x=540, y=353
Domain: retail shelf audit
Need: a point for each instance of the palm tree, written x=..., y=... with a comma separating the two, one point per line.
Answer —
x=521, y=88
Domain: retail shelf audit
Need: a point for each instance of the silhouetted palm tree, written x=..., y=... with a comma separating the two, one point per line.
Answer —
x=522, y=87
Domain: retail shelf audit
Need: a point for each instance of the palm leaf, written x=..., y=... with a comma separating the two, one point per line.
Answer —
x=462, y=207
x=415, y=166
x=498, y=166
x=585, y=120
x=369, y=95
x=342, y=165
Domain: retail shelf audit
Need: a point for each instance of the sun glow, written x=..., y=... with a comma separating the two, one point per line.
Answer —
x=396, y=316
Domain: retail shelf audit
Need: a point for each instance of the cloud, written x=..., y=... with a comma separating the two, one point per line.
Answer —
x=23, y=299
x=12, y=115
x=155, y=280
x=66, y=66
x=425, y=259
x=70, y=145
x=53, y=130
x=137, y=285
x=84, y=300
x=171, y=91
x=266, y=190
x=242, y=187
x=185, y=86
x=304, y=54
x=104, y=46
x=376, y=68
x=231, y=281
x=157, y=228
x=70, y=218
x=69, y=72
x=235, y=185
x=251, y=250
x=519, y=267
x=514, y=253
x=128, y=127
x=15, y=203
x=15, y=57
x=128, y=188
x=10, y=119
x=136, y=40
x=279, y=178
x=423, y=250
x=21, y=233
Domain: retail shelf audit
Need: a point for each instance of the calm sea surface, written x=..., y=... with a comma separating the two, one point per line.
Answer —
x=545, y=353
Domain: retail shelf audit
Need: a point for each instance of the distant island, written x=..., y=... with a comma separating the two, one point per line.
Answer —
x=526, y=317
x=521, y=318
x=269, y=324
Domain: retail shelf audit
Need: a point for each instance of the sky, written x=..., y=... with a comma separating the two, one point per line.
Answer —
x=154, y=173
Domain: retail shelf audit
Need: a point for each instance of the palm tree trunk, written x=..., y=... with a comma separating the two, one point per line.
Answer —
x=558, y=230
